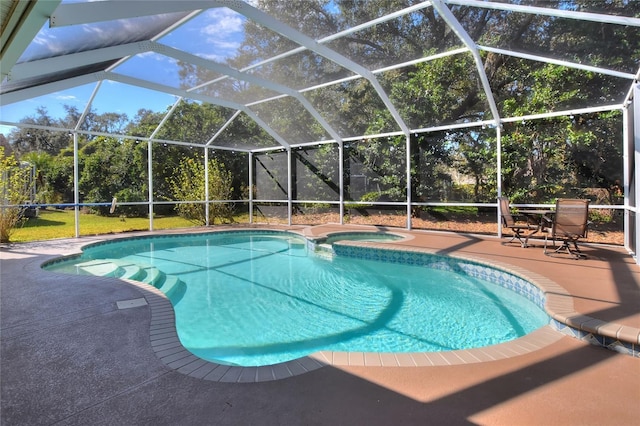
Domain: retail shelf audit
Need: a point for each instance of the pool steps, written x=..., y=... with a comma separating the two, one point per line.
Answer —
x=152, y=276
x=103, y=268
x=170, y=285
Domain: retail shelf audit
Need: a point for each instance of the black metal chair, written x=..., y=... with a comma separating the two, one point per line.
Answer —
x=570, y=223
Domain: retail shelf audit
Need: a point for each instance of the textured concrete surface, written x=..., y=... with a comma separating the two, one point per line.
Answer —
x=69, y=356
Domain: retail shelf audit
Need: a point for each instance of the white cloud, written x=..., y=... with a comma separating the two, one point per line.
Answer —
x=226, y=45
x=157, y=57
x=66, y=98
x=223, y=22
x=222, y=35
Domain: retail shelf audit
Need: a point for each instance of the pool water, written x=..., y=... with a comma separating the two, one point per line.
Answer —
x=254, y=299
x=362, y=236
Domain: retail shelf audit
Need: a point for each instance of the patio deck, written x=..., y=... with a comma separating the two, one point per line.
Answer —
x=70, y=356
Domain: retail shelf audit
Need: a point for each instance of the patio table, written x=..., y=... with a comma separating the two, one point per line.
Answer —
x=539, y=217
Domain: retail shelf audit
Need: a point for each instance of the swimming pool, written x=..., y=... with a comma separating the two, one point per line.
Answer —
x=255, y=298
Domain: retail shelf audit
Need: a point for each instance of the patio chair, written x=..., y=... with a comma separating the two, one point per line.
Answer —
x=570, y=223
x=516, y=223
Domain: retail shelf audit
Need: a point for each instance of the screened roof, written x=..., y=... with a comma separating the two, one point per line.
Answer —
x=298, y=68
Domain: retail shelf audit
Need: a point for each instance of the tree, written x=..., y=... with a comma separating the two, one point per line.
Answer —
x=431, y=159
x=4, y=142
x=475, y=157
x=190, y=122
x=114, y=168
x=188, y=184
x=595, y=152
x=42, y=163
x=26, y=140
x=15, y=191
x=58, y=177
x=382, y=161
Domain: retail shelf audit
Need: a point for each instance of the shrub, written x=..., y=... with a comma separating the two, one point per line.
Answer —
x=188, y=184
x=15, y=191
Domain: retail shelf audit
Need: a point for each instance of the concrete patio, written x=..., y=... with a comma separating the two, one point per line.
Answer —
x=71, y=357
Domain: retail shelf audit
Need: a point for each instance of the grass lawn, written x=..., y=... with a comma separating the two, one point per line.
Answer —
x=52, y=224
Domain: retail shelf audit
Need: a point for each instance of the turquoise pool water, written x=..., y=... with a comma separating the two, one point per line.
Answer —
x=362, y=236
x=260, y=298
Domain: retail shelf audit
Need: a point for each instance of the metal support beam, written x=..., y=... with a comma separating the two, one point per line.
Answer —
x=546, y=11
x=76, y=186
x=150, y=158
x=150, y=177
x=636, y=171
x=165, y=118
x=84, y=13
x=269, y=22
x=44, y=89
x=340, y=34
x=568, y=64
x=462, y=34
x=224, y=126
x=206, y=186
x=250, y=171
x=289, y=184
x=74, y=60
x=250, y=78
x=408, y=176
x=499, y=174
x=203, y=98
x=87, y=107
x=341, y=180
x=20, y=29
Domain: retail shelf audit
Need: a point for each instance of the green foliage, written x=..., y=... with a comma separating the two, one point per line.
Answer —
x=370, y=196
x=58, y=178
x=383, y=163
x=595, y=152
x=431, y=166
x=442, y=91
x=26, y=140
x=113, y=168
x=128, y=195
x=42, y=163
x=15, y=191
x=188, y=184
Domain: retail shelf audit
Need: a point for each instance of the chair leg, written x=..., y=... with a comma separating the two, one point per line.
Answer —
x=566, y=248
x=553, y=241
x=556, y=249
x=516, y=236
x=576, y=251
x=545, y=245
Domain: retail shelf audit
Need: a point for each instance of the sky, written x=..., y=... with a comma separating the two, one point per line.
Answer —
x=215, y=34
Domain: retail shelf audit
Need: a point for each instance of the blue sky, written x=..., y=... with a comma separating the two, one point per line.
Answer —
x=215, y=34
